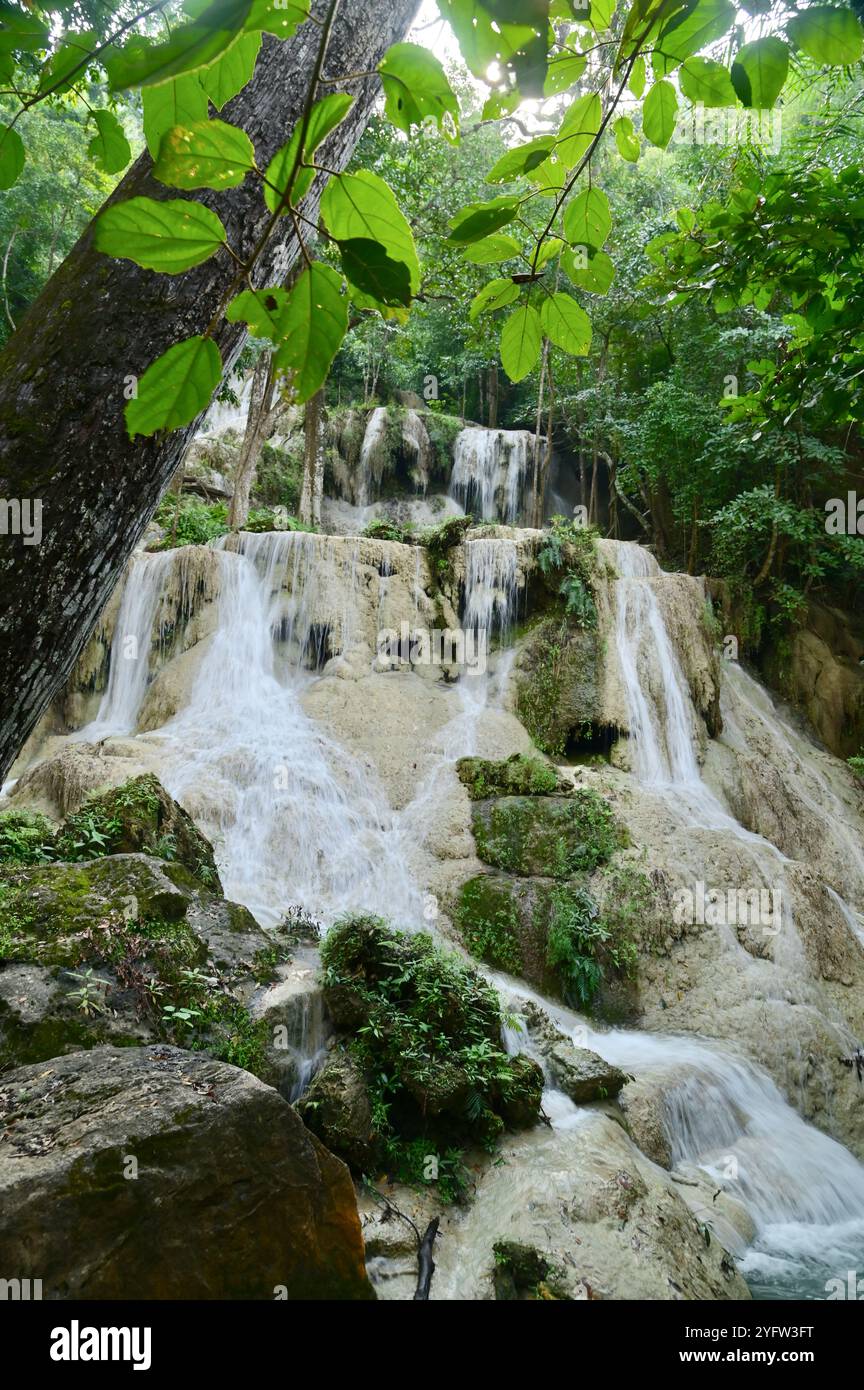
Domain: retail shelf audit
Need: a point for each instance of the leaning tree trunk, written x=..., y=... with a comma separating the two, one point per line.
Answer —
x=259, y=423
x=100, y=321
x=313, y=461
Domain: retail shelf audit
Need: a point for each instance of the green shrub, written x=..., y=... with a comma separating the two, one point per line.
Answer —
x=380, y=529
x=279, y=478
x=568, y=551
x=189, y=521
x=25, y=838
x=519, y=775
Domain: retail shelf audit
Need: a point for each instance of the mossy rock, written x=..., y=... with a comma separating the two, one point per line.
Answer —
x=516, y=776
x=559, y=684
x=140, y=818
x=425, y=1032
x=556, y=837
x=523, y=1273
x=337, y=1108
x=549, y=932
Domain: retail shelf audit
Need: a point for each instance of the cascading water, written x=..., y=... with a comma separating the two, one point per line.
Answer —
x=374, y=440
x=490, y=468
x=804, y=1191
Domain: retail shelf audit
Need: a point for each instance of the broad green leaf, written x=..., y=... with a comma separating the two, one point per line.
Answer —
x=484, y=39
x=600, y=14
x=175, y=388
x=262, y=310
x=171, y=236
x=578, y=129
x=209, y=154
x=550, y=177
x=588, y=219
x=191, y=47
x=548, y=251
x=496, y=295
x=11, y=156
x=325, y=116
x=280, y=17
x=594, y=275
x=476, y=221
x=69, y=64
x=229, y=75
x=637, y=78
x=109, y=146
x=363, y=206
x=313, y=324
x=566, y=324
x=659, y=114
x=706, y=83
x=686, y=219
x=831, y=36
x=499, y=247
x=688, y=30
x=565, y=69
x=521, y=340
x=416, y=86
x=515, y=163
x=369, y=269
x=759, y=72
x=182, y=101
x=22, y=32
x=501, y=104
x=626, y=139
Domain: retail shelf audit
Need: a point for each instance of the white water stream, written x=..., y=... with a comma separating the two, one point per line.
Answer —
x=490, y=470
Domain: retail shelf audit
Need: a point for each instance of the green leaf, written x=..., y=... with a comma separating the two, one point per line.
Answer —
x=69, y=64
x=209, y=154
x=565, y=69
x=548, y=251
x=109, y=146
x=11, y=156
x=759, y=72
x=707, y=83
x=22, y=32
x=325, y=116
x=660, y=114
x=626, y=139
x=486, y=37
x=280, y=17
x=262, y=310
x=501, y=104
x=832, y=37
x=578, y=129
x=369, y=269
x=175, y=388
x=566, y=324
x=516, y=163
x=416, y=86
x=477, y=220
x=588, y=219
x=182, y=101
x=689, y=29
x=225, y=78
x=637, y=78
x=521, y=340
x=191, y=47
x=171, y=236
x=364, y=206
x=600, y=14
x=496, y=295
x=596, y=276
x=313, y=324
x=500, y=247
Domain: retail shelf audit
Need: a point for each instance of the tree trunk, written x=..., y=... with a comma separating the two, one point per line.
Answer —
x=493, y=393
x=100, y=322
x=536, y=485
x=313, y=462
x=259, y=422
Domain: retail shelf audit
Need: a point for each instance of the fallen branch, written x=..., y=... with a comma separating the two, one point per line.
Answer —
x=426, y=1262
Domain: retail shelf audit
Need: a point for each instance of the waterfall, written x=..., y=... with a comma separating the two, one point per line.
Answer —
x=373, y=440
x=490, y=468
x=129, y=663
x=491, y=593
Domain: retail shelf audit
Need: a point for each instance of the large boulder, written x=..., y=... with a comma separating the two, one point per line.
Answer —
x=577, y=1071
x=337, y=1108
x=143, y=1173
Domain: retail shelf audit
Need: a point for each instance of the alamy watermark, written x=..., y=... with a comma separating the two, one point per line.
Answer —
x=730, y=126
x=845, y=515
x=731, y=907
x=447, y=647
x=21, y=516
